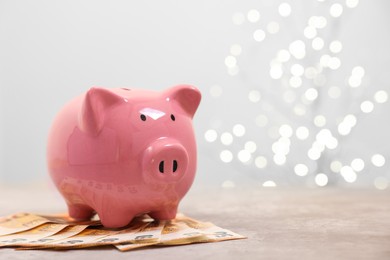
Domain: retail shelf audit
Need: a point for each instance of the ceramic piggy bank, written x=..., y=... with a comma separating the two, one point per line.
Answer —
x=123, y=152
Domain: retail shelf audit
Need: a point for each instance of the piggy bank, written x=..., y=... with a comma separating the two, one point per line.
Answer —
x=124, y=152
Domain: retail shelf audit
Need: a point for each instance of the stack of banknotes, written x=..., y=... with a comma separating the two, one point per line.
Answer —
x=56, y=232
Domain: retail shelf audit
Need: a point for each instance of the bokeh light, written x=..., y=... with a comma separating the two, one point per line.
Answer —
x=312, y=101
x=335, y=46
x=336, y=10
x=378, y=160
x=244, y=156
x=226, y=138
x=261, y=162
x=351, y=3
x=295, y=82
x=226, y=156
x=310, y=32
x=239, y=130
x=317, y=43
x=297, y=70
x=301, y=169
x=236, y=49
x=381, y=96
x=357, y=164
x=230, y=61
x=273, y=27
x=253, y=16
x=348, y=174
x=302, y=132
x=283, y=55
x=381, y=183
x=311, y=94
x=228, y=184
x=319, y=121
x=367, y=106
x=284, y=9
x=254, y=96
x=259, y=35
x=251, y=146
x=269, y=184
x=311, y=72
x=336, y=166
x=297, y=49
x=318, y=22
x=211, y=135
x=279, y=159
x=261, y=120
x=285, y=131
x=276, y=71
x=321, y=179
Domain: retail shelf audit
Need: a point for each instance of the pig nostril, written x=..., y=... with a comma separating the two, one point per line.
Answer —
x=174, y=165
x=161, y=167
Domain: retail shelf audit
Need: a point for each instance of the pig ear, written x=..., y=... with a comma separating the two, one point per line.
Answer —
x=188, y=97
x=95, y=103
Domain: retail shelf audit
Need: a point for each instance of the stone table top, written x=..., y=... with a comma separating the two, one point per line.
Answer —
x=280, y=223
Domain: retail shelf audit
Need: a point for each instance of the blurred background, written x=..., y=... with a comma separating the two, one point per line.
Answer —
x=295, y=93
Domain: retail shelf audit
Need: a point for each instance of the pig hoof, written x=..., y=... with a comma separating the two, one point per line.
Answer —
x=112, y=222
x=79, y=212
x=163, y=214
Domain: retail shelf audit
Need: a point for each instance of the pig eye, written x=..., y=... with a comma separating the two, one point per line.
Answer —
x=143, y=117
x=173, y=117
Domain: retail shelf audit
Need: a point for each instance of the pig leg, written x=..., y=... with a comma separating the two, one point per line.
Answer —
x=164, y=214
x=80, y=212
x=113, y=213
x=115, y=219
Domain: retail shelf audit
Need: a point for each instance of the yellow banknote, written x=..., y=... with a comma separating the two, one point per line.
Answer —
x=178, y=233
x=30, y=231
x=64, y=218
x=20, y=222
x=83, y=239
x=146, y=236
x=130, y=246
x=33, y=234
x=140, y=232
x=67, y=232
x=212, y=232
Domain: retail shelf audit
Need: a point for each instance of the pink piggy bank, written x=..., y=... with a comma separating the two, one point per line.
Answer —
x=123, y=152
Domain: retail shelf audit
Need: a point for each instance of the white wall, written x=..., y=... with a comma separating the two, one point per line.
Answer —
x=51, y=51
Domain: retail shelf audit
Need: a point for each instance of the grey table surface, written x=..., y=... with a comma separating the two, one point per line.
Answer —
x=279, y=223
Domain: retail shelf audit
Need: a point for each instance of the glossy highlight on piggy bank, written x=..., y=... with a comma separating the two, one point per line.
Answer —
x=124, y=152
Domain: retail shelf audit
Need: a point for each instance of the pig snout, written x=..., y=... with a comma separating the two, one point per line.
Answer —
x=165, y=160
